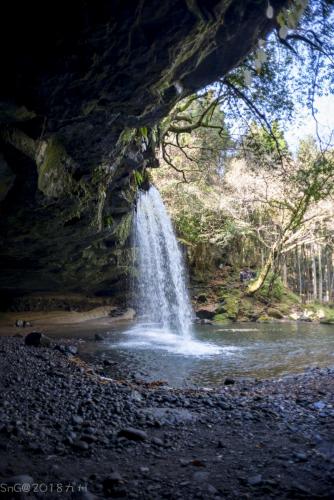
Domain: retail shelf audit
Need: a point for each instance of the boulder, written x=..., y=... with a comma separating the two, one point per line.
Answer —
x=275, y=313
x=37, y=339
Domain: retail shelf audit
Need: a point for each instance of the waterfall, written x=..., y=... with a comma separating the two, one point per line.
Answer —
x=160, y=292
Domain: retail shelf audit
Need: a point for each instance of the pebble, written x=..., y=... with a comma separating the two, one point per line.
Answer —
x=98, y=337
x=229, y=381
x=319, y=405
x=133, y=434
x=255, y=480
x=50, y=408
x=81, y=445
x=77, y=420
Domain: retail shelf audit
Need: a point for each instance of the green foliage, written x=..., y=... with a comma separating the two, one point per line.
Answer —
x=143, y=132
x=264, y=146
x=108, y=221
x=272, y=288
x=138, y=177
x=221, y=318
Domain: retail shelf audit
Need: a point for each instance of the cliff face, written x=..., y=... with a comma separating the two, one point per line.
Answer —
x=80, y=84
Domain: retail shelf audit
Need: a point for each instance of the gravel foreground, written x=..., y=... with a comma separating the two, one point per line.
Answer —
x=66, y=432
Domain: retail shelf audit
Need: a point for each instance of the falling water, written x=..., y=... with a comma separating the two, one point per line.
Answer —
x=161, y=295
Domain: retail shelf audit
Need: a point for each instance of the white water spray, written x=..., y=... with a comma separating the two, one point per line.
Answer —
x=161, y=295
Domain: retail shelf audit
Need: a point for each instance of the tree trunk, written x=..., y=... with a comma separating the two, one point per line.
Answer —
x=314, y=274
x=255, y=285
x=320, y=295
x=300, y=282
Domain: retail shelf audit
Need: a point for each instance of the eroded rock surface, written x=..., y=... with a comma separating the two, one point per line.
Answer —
x=81, y=81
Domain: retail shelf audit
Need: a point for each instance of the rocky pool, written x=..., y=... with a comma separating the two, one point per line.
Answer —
x=212, y=354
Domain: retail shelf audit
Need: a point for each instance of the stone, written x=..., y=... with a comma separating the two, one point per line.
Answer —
x=72, y=349
x=113, y=485
x=81, y=445
x=37, y=339
x=98, y=337
x=133, y=434
x=205, y=321
x=319, y=405
x=300, y=456
x=274, y=313
x=229, y=381
x=107, y=362
x=77, y=420
x=255, y=480
x=157, y=441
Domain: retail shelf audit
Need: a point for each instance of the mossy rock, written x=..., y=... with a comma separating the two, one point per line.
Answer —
x=231, y=303
x=123, y=229
x=263, y=319
x=221, y=318
x=54, y=178
x=284, y=309
x=274, y=313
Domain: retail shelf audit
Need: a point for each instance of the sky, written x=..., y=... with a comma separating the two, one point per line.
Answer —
x=306, y=125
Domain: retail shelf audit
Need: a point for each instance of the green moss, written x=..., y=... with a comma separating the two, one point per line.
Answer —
x=54, y=179
x=246, y=308
x=138, y=177
x=126, y=137
x=275, y=313
x=123, y=229
x=230, y=303
x=263, y=319
x=221, y=318
x=290, y=298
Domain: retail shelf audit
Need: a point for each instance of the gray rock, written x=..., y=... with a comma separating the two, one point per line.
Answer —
x=300, y=456
x=77, y=420
x=98, y=337
x=72, y=349
x=157, y=441
x=133, y=434
x=107, y=362
x=319, y=405
x=113, y=485
x=255, y=480
x=37, y=339
x=81, y=445
x=229, y=381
